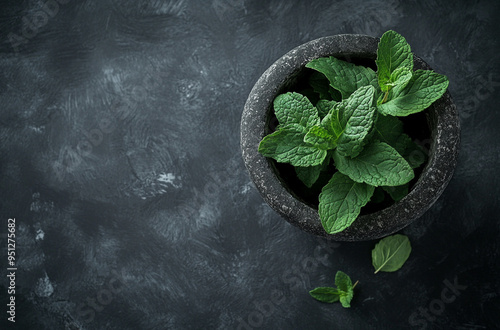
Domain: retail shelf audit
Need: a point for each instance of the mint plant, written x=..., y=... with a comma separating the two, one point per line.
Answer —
x=353, y=125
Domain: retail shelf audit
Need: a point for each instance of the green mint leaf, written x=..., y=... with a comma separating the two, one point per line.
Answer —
x=400, y=77
x=414, y=154
x=403, y=143
x=332, y=124
x=309, y=175
x=340, y=202
x=345, y=288
x=320, y=85
x=391, y=253
x=325, y=294
x=335, y=94
x=397, y=193
x=359, y=101
x=394, y=60
x=388, y=129
x=344, y=76
x=324, y=107
x=294, y=108
x=378, y=164
x=345, y=299
x=320, y=138
x=343, y=281
x=422, y=90
x=287, y=146
x=356, y=116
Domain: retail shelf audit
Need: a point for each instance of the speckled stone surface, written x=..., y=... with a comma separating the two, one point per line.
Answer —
x=443, y=152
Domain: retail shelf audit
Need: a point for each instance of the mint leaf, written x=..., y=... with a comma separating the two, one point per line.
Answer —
x=397, y=193
x=325, y=294
x=344, y=76
x=294, y=108
x=322, y=87
x=343, y=281
x=345, y=299
x=332, y=124
x=391, y=253
x=320, y=138
x=378, y=164
x=422, y=90
x=340, y=202
x=400, y=77
x=308, y=175
x=394, y=61
x=345, y=288
x=388, y=129
x=324, y=107
x=287, y=146
x=361, y=98
x=356, y=115
x=414, y=154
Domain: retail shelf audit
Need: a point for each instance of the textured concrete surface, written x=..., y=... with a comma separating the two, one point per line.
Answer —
x=120, y=162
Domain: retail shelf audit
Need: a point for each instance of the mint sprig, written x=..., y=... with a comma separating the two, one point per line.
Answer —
x=343, y=292
x=422, y=90
x=287, y=146
x=360, y=130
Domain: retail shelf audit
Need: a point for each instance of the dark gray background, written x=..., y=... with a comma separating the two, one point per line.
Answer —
x=120, y=161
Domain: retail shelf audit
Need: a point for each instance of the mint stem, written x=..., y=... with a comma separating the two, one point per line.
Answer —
x=385, y=97
x=355, y=284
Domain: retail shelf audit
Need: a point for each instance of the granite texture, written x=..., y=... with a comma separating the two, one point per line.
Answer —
x=441, y=148
x=121, y=163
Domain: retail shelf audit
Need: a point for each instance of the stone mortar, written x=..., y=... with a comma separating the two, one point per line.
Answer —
x=443, y=122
